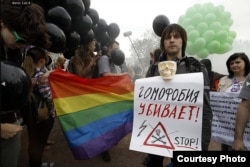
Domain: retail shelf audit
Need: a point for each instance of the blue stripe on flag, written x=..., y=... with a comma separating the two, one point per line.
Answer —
x=90, y=131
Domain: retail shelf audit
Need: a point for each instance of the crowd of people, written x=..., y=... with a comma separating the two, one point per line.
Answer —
x=24, y=44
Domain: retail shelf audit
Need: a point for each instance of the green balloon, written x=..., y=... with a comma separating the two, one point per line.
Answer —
x=181, y=18
x=200, y=43
x=213, y=46
x=208, y=29
x=208, y=7
x=232, y=34
x=202, y=9
x=229, y=22
x=225, y=15
x=215, y=26
x=203, y=53
x=196, y=19
x=218, y=10
x=190, y=28
x=193, y=35
x=187, y=21
x=210, y=18
x=202, y=27
x=208, y=35
x=191, y=11
x=197, y=7
x=230, y=40
x=190, y=49
x=221, y=35
x=225, y=47
x=225, y=27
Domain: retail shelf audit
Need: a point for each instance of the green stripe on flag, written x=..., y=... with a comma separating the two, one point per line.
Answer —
x=83, y=117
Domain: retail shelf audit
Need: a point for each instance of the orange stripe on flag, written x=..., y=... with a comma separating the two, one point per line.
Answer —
x=99, y=85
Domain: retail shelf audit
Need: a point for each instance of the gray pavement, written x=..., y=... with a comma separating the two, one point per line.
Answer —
x=61, y=155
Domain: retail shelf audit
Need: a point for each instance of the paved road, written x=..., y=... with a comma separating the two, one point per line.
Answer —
x=61, y=155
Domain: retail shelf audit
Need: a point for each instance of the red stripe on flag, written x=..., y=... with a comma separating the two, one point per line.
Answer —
x=60, y=89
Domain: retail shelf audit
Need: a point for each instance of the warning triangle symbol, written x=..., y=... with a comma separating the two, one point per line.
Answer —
x=159, y=138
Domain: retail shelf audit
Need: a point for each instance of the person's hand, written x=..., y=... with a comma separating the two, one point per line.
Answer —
x=45, y=77
x=93, y=61
x=97, y=57
x=124, y=73
x=238, y=145
x=9, y=130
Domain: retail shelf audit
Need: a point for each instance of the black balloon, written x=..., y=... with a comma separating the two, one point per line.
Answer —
x=87, y=37
x=95, y=28
x=97, y=47
x=102, y=25
x=75, y=8
x=52, y=3
x=103, y=38
x=57, y=38
x=117, y=57
x=93, y=14
x=59, y=16
x=83, y=24
x=42, y=4
x=73, y=40
x=113, y=30
x=86, y=4
x=104, y=50
x=160, y=22
x=69, y=53
x=15, y=85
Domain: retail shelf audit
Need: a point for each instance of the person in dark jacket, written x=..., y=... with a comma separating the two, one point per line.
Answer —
x=153, y=68
x=214, y=77
x=22, y=24
x=173, y=45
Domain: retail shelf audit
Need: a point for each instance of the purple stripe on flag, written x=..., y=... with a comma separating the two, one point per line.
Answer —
x=102, y=143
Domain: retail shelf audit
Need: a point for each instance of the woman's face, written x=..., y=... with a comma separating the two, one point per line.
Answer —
x=237, y=65
x=11, y=39
x=92, y=46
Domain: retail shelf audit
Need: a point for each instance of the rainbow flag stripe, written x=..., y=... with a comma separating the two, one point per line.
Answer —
x=94, y=114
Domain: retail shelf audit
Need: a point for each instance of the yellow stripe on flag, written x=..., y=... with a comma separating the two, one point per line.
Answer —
x=73, y=104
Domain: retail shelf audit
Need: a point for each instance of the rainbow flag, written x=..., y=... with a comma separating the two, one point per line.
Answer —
x=94, y=114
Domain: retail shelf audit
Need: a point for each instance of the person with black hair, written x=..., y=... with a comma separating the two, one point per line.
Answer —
x=105, y=65
x=153, y=68
x=84, y=61
x=22, y=23
x=238, y=67
x=214, y=77
x=107, y=68
x=173, y=45
x=35, y=65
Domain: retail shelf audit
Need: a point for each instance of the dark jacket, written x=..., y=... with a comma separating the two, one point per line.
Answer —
x=191, y=65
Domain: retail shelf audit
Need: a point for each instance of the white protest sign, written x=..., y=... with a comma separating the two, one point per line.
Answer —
x=168, y=114
x=224, y=107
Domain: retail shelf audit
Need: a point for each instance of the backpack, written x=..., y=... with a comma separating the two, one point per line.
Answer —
x=193, y=65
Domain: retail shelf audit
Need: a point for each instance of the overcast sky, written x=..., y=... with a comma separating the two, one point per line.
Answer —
x=138, y=15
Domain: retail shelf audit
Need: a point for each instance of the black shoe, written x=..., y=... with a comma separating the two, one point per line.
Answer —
x=106, y=156
x=146, y=160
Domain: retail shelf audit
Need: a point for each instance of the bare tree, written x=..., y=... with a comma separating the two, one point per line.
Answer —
x=144, y=46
